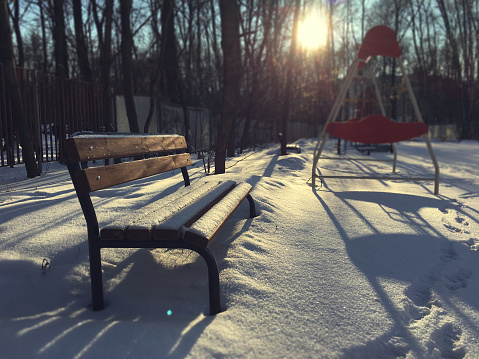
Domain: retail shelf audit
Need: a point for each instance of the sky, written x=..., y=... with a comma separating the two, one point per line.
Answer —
x=349, y=269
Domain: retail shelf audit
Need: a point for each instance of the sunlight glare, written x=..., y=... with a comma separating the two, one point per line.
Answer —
x=313, y=32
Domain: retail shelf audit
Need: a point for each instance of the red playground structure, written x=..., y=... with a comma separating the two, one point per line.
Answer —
x=374, y=128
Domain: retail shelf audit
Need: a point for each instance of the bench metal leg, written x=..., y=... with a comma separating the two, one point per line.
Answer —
x=213, y=280
x=96, y=277
x=252, y=207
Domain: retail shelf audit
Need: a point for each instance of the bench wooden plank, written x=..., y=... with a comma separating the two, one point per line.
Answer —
x=142, y=229
x=170, y=229
x=206, y=227
x=101, y=146
x=166, y=223
x=95, y=178
x=116, y=229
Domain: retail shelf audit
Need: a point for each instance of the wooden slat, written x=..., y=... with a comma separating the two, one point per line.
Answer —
x=88, y=148
x=170, y=228
x=164, y=220
x=138, y=224
x=206, y=227
x=95, y=178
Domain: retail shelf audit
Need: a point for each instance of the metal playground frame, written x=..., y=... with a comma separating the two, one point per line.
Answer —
x=375, y=128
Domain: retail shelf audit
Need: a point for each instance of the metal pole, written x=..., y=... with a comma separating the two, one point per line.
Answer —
x=420, y=119
x=352, y=71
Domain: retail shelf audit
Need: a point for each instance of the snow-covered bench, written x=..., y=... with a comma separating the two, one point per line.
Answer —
x=188, y=218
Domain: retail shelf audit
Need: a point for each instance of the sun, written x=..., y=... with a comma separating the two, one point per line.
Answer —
x=313, y=32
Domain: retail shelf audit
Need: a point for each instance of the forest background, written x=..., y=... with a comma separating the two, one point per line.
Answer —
x=241, y=58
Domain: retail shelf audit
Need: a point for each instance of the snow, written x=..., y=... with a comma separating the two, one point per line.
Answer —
x=206, y=225
x=194, y=204
x=352, y=269
x=87, y=134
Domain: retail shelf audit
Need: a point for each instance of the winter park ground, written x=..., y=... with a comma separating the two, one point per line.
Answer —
x=352, y=269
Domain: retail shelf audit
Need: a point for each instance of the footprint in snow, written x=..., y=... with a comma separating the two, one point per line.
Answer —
x=418, y=302
x=448, y=254
x=462, y=221
x=420, y=295
x=473, y=243
x=445, y=342
x=458, y=279
x=453, y=228
x=455, y=222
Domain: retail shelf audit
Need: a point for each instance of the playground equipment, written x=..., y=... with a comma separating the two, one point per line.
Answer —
x=375, y=128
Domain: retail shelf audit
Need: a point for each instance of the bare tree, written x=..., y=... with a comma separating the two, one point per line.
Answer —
x=18, y=34
x=254, y=64
x=103, y=19
x=155, y=68
x=60, y=39
x=40, y=5
x=455, y=57
x=172, y=84
x=127, y=66
x=289, y=80
x=80, y=42
x=11, y=83
x=183, y=61
x=230, y=43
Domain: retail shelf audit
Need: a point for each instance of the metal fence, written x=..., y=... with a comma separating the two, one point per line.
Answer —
x=55, y=108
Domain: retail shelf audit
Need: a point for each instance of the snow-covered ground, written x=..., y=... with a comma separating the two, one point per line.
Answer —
x=352, y=269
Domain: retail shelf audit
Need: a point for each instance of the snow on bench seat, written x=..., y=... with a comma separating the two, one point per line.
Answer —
x=208, y=225
x=171, y=227
x=164, y=219
x=116, y=230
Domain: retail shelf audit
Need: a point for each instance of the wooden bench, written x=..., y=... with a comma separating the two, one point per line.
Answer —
x=188, y=218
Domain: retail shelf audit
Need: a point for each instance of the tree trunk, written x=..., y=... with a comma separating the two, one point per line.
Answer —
x=127, y=65
x=155, y=70
x=61, y=49
x=231, y=139
x=172, y=85
x=44, y=38
x=289, y=82
x=214, y=43
x=104, y=39
x=81, y=46
x=168, y=53
x=456, y=63
x=230, y=17
x=255, y=62
x=18, y=34
x=11, y=84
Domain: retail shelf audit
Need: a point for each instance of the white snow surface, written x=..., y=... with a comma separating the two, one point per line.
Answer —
x=208, y=223
x=194, y=204
x=352, y=269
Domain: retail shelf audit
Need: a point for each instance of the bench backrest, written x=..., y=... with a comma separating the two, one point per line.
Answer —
x=84, y=147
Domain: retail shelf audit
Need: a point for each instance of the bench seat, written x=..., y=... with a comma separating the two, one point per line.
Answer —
x=194, y=213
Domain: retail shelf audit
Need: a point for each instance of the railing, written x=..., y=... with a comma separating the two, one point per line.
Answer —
x=55, y=108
